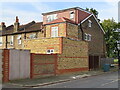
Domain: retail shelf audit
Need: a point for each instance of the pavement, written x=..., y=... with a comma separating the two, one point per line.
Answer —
x=107, y=80
x=30, y=83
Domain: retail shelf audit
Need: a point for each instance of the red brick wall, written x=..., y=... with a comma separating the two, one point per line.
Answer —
x=61, y=14
x=5, y=65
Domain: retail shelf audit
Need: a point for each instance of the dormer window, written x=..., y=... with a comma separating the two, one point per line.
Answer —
x=51, y=17
x=89, y=23
x=71, y=14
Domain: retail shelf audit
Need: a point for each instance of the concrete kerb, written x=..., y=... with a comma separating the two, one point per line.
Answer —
x=65, y=80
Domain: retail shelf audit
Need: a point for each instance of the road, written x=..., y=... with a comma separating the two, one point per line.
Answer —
x=108, y=80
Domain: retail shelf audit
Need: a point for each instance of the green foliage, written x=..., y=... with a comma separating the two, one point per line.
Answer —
x=94, y=11
x=111, y=36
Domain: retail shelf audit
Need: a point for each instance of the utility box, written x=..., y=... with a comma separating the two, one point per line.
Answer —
x=106, y=67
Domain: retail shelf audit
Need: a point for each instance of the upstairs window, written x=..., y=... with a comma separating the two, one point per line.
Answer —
x=11, y=40
x=87, y=37
x=19, y=39
x=33, y=36
x=89, y=23
x=54, y=32
x=51, y=17
x=71, y=14
x=0, y=41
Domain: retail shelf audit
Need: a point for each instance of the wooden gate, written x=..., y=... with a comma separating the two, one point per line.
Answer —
x=43, y=65
x=19, y=64
x=93, y=62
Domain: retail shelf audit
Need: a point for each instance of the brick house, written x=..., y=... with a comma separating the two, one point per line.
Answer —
x=74, y=34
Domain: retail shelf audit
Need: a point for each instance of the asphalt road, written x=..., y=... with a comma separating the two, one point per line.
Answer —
x=108, y=80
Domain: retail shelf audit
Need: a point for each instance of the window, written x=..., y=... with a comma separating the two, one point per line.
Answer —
x=33, y=36
x=54, y=32
x=51, y=17
x=0, y=41
x=89, y=23
x=87, y=37
x=50, y=51
x=19, y=39
x=71, y=14
x=11, y=40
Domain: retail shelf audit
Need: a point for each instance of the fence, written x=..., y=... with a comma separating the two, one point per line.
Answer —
x=106, y=61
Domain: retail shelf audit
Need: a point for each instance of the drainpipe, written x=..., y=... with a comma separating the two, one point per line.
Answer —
x=80, y=29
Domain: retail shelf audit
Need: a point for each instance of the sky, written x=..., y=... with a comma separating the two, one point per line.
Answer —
x=28, y=11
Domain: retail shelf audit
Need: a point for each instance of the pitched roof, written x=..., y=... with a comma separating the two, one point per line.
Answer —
x=30, y=27
x=59, y=20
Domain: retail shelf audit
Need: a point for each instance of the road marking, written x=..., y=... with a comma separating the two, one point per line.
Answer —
x=109, y=82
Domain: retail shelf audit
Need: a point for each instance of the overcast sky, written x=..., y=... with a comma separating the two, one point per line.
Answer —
x=28, y=11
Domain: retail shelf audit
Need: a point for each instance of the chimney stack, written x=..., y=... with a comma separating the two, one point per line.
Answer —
x=2, y=26
x=16, y=24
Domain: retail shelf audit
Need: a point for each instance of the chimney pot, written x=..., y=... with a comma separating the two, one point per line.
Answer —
x=2, y=23
x=17, y=20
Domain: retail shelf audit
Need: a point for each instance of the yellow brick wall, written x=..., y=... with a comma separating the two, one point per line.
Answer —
x=74, y=55
x=9, y=39
x=42, y=45
x=61, y=29
x=3, y=42
x=15, y=43
x=72, y=31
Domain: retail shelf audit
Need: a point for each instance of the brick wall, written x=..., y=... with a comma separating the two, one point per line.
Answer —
x=97, y=43
x=15, y=43
x=72, y=31
x=41, y=45
x=74, y=56
x=61, y=29
x=5, y=65
x=43, y=65
x=3, y=43
x=1, y=57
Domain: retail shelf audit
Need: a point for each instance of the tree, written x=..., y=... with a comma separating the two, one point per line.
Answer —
x=110, y=27
x=94, y=11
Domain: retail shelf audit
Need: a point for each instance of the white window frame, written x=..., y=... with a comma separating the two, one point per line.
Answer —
x=87, y=37
x=51, y=51
x=11, y=40
x=19, y=39
x=1, y=41
x=72, y=14
x=89, y=23
x=51, y=17
x=54, y=31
